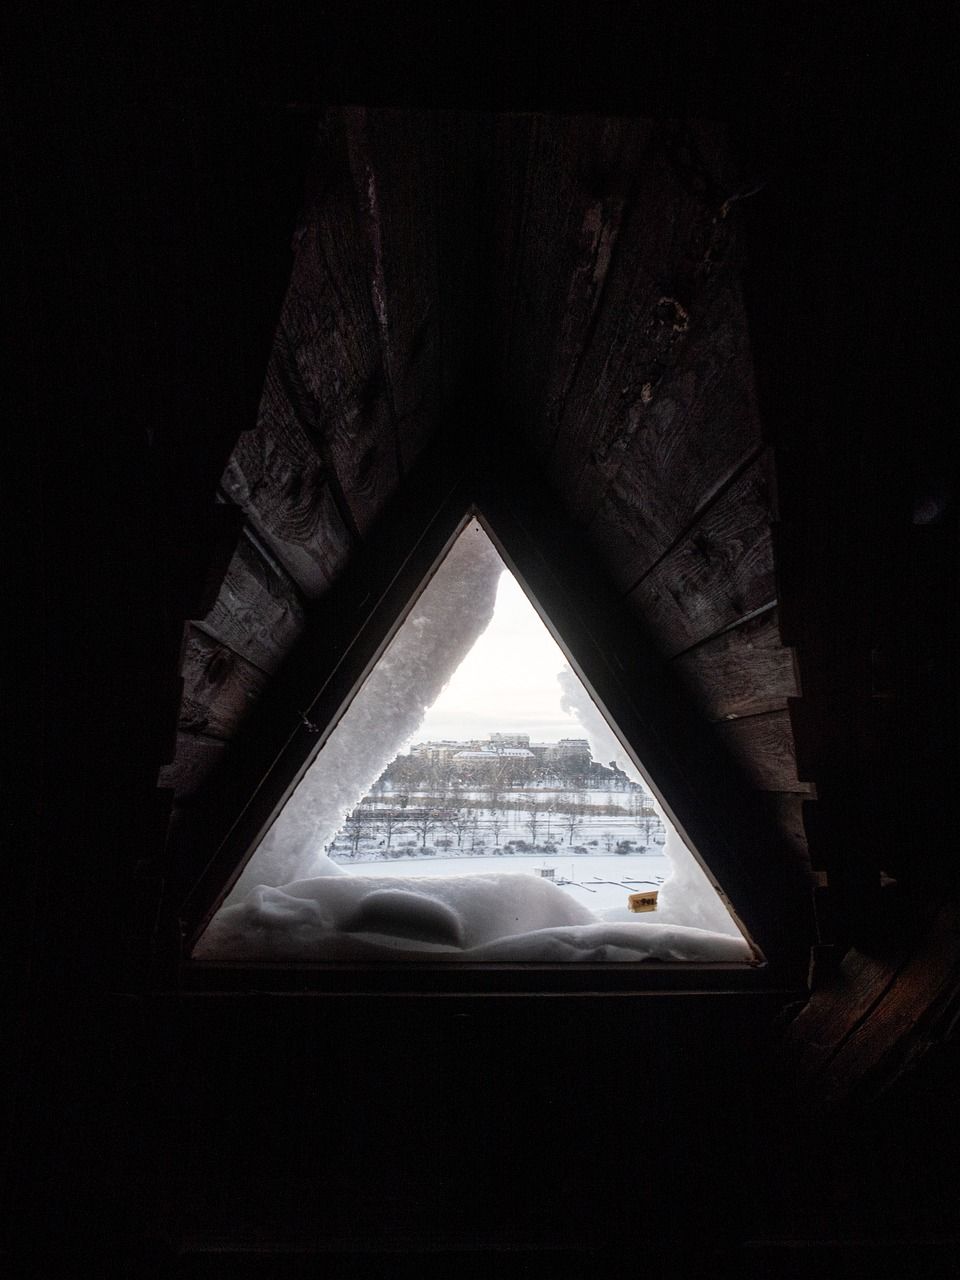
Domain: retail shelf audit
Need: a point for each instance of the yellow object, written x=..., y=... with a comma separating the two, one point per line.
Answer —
x=646, y=901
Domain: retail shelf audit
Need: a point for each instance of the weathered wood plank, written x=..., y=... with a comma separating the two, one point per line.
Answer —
x=629, y=325
x=219, y=689
x=534, y=155
x=832, y=1013
x=741, y=672
x=763, y=746
x=195, y=758
x=667, y=446
x=668, y=366
x=465, y=282
x=257, y=613
x=567, y=182
x=786, y=810
x=276, y=478
x=330, y=328
x=872, y=1007
x=720, y=571
x=395, y=162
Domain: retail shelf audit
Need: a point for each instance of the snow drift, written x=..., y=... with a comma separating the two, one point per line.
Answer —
x=503, y=916
x=452, y=612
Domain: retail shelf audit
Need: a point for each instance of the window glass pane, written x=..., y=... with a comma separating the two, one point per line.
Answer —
x=473, y=803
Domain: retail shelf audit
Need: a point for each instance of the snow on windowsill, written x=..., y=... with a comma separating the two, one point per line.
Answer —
x=502, y=916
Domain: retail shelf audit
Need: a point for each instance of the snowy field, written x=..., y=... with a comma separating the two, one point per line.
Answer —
x=575, y=823
x=601, y=883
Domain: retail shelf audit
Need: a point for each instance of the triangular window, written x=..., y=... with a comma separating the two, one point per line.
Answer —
x=473, y=803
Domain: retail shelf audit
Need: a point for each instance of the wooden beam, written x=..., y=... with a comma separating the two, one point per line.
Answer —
x=277, y=480
x=220, y=687
x=197, y=755
x=563, y=187
x=396, y=163
x=717, y=573
x=763, y=745
x=258, y=612
x=741, y=672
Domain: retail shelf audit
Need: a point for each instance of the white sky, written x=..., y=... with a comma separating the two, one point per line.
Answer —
x=507, y=683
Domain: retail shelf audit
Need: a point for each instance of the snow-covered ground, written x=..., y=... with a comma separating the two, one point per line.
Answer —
x=475, y=828
x=584, y=860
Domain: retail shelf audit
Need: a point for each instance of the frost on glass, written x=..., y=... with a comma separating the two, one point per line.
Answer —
x=473, y=803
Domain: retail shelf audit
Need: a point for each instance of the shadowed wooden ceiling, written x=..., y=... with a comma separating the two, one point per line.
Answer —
x=578, y=279
x=559, y=286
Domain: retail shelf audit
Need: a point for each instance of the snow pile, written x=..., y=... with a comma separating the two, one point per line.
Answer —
x=501, y=916
x=687, y=897
x=452, y=612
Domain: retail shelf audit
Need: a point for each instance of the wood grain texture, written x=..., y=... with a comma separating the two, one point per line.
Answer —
x=220, y=687
x=671, y=440
x=279, y=482
x=831, y=1014
x=197, y=755
x=763, y=746
x=633, y=331
x=666, y=385
x=257, y=613
x=741, y=672
x=564, y=186
x=396, y=163
x=330, y=328
x=875, y=1009
x=720, y=571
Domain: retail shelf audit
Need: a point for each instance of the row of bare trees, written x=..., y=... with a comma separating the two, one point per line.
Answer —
x=461, y=818
x=420, y=773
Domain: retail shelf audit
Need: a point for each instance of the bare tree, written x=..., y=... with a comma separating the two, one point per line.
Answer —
x=550, y=809
x=533, y=812
x=459, y=821
x=496, y=824
x=388, y=820
x=493, y=786
x=423, y=822
x=571, y=821
x=358, y=828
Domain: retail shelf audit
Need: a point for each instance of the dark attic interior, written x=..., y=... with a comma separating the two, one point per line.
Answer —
x=663, y=291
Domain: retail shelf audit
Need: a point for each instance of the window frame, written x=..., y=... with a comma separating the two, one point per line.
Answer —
x=619, y=667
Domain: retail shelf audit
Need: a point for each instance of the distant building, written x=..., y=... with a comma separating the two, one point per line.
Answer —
x=484, y=759
x=436, y=752
x=569, y=754
x=567, y=757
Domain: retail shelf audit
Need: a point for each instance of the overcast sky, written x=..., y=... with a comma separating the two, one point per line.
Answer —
x=507, y=682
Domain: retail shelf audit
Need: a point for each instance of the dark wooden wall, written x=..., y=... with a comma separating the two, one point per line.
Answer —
x=155, y=245
x=601, y=343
